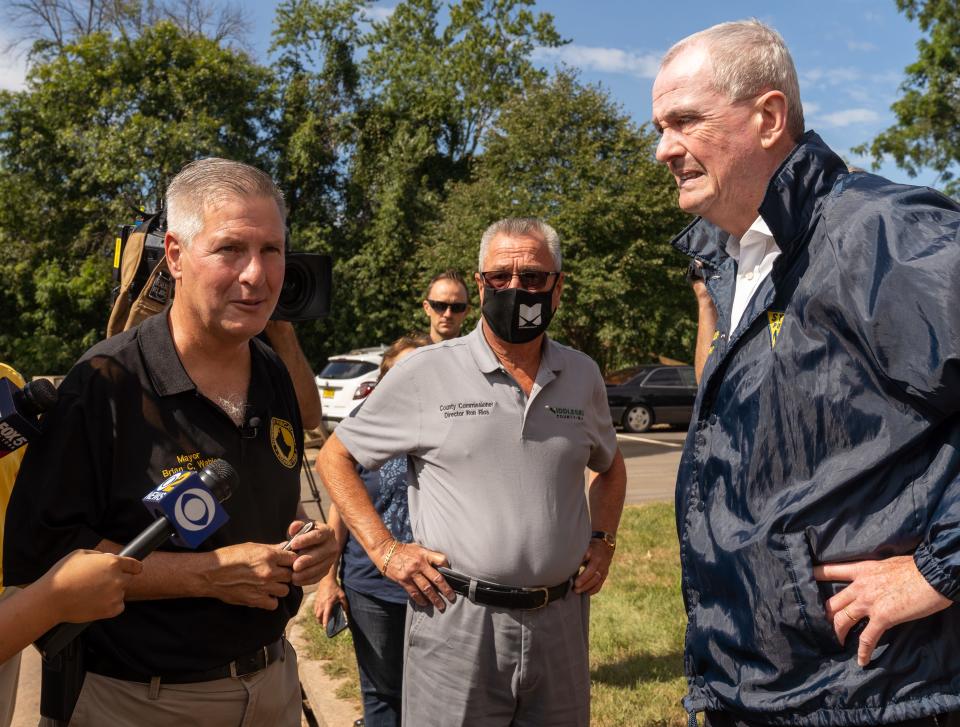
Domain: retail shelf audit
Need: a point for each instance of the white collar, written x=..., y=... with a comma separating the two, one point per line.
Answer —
x=756, y=234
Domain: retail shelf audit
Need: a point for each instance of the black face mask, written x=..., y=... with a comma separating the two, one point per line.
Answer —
x=517, y=315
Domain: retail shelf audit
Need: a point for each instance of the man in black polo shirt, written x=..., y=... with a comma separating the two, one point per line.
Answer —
x=202, y=639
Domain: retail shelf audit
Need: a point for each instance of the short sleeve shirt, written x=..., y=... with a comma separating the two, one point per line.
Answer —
x=128, y=416
x=498, y=477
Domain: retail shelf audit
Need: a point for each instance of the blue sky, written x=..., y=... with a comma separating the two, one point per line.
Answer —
x=850, y=54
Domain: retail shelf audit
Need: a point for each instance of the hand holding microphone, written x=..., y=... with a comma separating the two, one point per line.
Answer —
x=187, y=509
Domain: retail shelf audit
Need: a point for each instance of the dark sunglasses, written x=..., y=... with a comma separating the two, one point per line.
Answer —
x=440, y=307
x=529, y=279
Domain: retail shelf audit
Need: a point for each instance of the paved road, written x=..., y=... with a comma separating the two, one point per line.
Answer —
x=652, y=460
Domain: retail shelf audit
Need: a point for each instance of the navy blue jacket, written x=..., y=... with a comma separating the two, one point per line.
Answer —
x=826, y=429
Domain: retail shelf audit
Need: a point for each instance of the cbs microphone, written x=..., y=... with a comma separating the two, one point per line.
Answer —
x=187, y=509
x=19, y=409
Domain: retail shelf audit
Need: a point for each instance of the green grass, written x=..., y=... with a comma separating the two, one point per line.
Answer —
x=636, y=630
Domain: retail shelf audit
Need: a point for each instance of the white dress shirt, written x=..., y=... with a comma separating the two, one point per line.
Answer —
x=754, y=253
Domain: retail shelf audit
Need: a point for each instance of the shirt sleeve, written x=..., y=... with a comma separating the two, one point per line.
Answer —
x=388, y=423
x=603, y=435
x=938, y=556
x=59, y=499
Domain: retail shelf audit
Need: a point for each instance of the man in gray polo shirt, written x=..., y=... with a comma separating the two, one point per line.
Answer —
x=499, y=425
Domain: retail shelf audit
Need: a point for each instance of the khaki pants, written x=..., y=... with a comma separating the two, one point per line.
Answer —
x=9, y=676
x=270, y=697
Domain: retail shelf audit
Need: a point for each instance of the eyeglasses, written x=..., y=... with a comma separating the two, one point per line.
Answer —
x=440, y=307
x=529, y=279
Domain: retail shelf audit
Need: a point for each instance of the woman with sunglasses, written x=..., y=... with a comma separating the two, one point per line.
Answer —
x=376, y=605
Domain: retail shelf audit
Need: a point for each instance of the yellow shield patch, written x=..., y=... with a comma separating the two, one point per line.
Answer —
x=283, y=442
x=776, y=321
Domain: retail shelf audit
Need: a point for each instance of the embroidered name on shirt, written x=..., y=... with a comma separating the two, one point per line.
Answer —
x=776, y=321
x=562, y=412
x=466, y=409
x=191, y=462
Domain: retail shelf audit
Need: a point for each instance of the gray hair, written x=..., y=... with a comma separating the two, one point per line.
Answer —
x=205, y=184
x=749, y=58
x=522, y=227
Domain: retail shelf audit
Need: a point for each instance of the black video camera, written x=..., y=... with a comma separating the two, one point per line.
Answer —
x=307, y=278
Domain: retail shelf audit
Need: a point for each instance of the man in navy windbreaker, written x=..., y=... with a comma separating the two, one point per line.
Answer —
x=818, y=498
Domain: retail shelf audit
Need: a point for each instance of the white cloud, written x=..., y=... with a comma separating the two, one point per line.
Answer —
x=379, y=12
x=604, y=60
x=13, y=71
x=829, y=76
x=810, y=108
x=861, y=45
x=847, y=117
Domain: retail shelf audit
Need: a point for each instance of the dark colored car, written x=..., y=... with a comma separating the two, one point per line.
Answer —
x=642, y=396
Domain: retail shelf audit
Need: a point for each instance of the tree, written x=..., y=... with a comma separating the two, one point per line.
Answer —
x=565, y=152
x=98, y=131
x=926, y=133
x=395, y=110
x=51, y=25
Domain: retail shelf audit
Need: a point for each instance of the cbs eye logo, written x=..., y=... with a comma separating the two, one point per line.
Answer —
x=195, y=509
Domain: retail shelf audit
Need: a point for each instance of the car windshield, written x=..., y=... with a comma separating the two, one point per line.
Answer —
x=624, y=375
x=347, y=369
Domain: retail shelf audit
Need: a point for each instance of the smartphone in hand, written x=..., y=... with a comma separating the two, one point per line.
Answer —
x=337, y=621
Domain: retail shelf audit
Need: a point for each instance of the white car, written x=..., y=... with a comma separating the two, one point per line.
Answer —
x=346, y=380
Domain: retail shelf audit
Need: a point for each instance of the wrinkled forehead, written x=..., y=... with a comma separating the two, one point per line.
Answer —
x=686, y=76
x=507, y=251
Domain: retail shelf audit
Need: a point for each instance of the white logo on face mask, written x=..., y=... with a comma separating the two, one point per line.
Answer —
x=529, y=316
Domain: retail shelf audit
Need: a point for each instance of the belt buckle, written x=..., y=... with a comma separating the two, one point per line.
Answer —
x=234, y=674
x=546, y=597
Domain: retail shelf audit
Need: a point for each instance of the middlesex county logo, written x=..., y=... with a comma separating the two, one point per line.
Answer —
x=283, y=441
x=529, y=316
x=776, y=321
x=563, y=412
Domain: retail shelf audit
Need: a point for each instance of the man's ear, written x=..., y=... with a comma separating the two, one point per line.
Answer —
x=174, y=253
x=426, y=308
x=555, y=300
x=772, y=118
x=478, y=279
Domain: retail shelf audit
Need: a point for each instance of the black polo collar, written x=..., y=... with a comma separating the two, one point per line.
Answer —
x=169, y=377
x=160, y=358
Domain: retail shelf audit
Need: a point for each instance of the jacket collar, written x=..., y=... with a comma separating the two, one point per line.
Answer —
x=803, y=178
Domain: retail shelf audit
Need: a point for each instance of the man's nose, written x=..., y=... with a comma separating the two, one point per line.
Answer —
x=254, y=271
x=668, y=147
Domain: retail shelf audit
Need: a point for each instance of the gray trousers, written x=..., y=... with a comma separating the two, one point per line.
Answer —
x=489, y=667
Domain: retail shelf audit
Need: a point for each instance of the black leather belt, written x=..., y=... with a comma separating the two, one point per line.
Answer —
x=240, y=667
x=499, y=596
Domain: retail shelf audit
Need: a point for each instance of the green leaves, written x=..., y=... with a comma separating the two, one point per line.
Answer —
x=100, y=129
x=396, y=141
x=565, y=152
x=927, y=133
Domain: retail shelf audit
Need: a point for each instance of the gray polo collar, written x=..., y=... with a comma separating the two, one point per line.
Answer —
x=488, y=362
